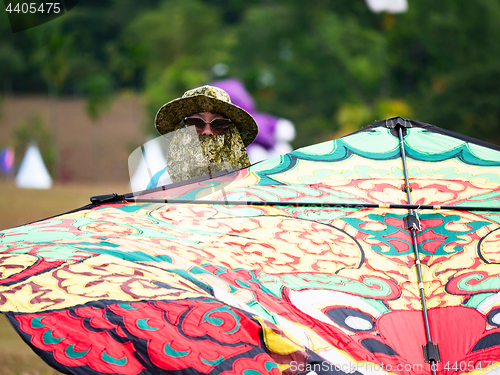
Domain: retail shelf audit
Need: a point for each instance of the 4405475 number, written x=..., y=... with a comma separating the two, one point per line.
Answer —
x=470, y=365
x=33, y=8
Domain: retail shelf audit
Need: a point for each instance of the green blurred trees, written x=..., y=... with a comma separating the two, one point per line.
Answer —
x=452, y=65
x=177, y=44
x=306, y=61
x=330, y=67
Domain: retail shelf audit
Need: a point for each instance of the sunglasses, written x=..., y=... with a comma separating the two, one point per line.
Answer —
x=217, y=124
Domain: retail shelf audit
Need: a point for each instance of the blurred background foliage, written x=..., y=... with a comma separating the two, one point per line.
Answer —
x=328, y=66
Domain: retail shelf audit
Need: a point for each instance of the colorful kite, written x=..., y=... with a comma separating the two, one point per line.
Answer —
x=377, y=253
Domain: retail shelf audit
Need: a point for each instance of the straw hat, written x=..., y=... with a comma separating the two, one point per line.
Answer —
x=206, y=99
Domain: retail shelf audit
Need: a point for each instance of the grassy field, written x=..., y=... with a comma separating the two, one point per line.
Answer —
x=16, y=357
x=21, y=206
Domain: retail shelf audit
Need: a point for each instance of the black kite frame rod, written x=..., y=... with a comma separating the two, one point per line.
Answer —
x=314, y=204
x=431, y=352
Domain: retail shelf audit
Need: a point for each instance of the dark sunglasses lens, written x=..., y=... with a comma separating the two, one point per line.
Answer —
x=220, y=123
x=195, y=121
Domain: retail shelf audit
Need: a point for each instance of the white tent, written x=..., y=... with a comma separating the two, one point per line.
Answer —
x=32, y=173
x=151, y=160
x=391, y=6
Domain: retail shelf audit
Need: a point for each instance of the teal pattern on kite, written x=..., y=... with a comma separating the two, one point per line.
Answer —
x=376, y=253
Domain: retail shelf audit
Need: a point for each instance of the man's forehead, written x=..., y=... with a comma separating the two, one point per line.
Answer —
x=202, y=114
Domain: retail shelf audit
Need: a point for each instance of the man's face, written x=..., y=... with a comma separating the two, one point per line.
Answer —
x=207, y=130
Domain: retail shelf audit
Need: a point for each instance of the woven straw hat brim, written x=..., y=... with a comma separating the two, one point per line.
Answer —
x=169, y=116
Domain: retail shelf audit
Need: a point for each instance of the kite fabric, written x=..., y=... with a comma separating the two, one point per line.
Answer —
x=322, y=280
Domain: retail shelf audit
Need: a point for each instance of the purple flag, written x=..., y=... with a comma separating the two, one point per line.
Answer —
x=7, y=159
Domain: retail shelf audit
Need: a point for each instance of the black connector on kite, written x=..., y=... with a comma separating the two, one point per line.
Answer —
x=412, y=222
x=398, y=122
x=431, y=352
x=106, y=198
